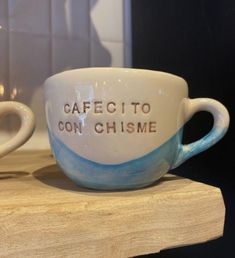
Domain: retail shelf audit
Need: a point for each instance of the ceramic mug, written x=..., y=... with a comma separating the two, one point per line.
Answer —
x=120, y=128
x=26, y=129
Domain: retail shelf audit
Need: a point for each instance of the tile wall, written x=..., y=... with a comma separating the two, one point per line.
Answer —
x=40, y=38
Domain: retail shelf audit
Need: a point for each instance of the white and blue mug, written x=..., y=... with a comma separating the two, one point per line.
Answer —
x=120, y=128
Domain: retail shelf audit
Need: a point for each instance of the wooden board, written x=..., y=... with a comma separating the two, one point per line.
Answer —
x=44, y=214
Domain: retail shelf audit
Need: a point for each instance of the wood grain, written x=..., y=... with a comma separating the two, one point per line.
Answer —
x=44, y=214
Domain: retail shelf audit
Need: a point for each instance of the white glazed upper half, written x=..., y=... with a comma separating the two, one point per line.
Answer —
x=165, y=93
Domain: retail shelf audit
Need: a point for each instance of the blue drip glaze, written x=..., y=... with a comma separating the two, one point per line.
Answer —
x=135, y=173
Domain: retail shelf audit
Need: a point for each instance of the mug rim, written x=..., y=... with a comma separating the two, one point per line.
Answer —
x=127, y=69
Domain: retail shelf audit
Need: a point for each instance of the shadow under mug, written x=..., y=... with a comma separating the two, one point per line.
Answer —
x=121, y=128
x=26, y=129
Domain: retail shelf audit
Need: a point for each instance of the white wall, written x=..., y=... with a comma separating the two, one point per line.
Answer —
x=40, y=38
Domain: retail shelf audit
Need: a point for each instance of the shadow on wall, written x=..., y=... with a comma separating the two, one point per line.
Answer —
x=36, y=55
x=100, y=55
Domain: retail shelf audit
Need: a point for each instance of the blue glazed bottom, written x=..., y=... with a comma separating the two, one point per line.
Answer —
x=133, y=174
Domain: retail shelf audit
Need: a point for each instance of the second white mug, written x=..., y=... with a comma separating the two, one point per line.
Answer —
x=26, y=129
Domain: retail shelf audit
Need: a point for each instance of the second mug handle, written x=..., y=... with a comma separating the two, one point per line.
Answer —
x=221, y=123
x=26, y=128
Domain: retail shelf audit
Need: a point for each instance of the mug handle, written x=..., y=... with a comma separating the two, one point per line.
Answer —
x=220, y=127
x=26, y=129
